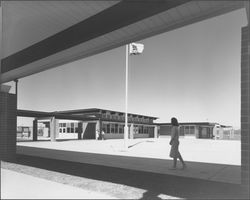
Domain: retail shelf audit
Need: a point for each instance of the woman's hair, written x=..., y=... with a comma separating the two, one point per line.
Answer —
x=174, y=121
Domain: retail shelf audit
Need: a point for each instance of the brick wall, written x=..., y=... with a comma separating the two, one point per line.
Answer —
x=8, y=111
x=245, y=91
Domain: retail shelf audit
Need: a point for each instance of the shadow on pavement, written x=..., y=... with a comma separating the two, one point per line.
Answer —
x=154, y=184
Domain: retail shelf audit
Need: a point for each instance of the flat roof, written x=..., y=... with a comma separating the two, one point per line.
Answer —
x=98, y=110
x=41, y=114
x=192, y=123
x=72, y=114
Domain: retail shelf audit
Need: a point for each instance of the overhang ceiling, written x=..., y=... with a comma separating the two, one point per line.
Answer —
x=39, y=35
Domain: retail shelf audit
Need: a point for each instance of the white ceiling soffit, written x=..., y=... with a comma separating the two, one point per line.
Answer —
x=171, y=19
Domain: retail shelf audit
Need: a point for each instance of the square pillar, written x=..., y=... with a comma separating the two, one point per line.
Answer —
x=131, y=132
x=8, y=126
x=54, y=129
x=245, y=98
x=155, y=132
x=98, y=130
x=34, y=130
x=79, y=130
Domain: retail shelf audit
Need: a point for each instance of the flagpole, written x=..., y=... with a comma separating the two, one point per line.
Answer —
x=126, y=102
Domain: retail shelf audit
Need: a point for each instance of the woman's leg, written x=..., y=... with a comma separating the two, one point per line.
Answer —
x=175, y=162
x=182, y=161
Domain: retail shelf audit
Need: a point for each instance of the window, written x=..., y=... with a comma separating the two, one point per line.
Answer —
x=72, y=125
x=60, y=130
x=121, y=128
x=72, y=130
x=135, y=129
x=116, y=128
x=104, y=127
x=108, y=128
x=191, y=130
x=68, y=130
x=76, y=130
x=112, y=128
x=186, y=130
x=140, y=129
x=26, y=130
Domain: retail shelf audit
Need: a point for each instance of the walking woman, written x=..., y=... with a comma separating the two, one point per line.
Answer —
x=174, y=142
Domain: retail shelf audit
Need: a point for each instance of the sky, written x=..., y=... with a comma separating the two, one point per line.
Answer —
x=192, y=73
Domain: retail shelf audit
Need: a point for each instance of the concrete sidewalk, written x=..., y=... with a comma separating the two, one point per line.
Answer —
x=144, y=155
x=30, y=187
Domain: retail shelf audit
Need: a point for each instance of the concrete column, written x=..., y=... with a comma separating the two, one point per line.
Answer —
x=97, y=130
x=196, y=132
x=245, y=111
x=54, y=129
x=155, y=132
x=131, y=132
x=79, y=130
x=34, y=130
x=100, y=124
x=8, y=126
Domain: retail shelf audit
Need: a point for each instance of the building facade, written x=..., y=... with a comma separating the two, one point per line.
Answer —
x=110, y=122
x=204, y=130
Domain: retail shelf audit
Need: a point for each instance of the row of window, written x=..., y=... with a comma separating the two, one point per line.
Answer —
x=114, y=128
x=68, y=130
x=117, y=117
x=184, y=130
x=72, y=124
x=187, y=130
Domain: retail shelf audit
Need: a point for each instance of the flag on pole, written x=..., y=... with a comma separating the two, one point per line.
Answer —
x=135, y=48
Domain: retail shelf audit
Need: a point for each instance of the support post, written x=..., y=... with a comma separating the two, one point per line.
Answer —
x=155, y=132
x=53, y=129
x=8, y=126
x=79, y=130
x=34, y=130
x=131, y=132
x=245, y=107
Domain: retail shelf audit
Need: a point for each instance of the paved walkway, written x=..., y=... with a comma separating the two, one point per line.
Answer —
x=30, y=187
x=150, y=155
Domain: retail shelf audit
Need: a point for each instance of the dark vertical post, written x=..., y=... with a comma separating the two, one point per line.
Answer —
x=8, y=126
x=79, y=130
x=35, y=130
x=245, y=98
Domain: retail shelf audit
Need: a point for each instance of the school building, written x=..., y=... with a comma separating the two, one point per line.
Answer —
x=95, y=120
x=204, y=130
x=89, y=123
